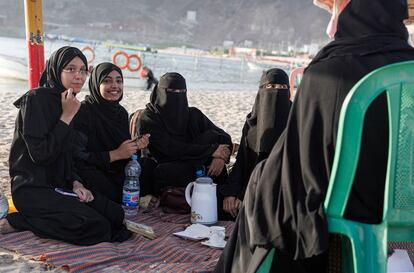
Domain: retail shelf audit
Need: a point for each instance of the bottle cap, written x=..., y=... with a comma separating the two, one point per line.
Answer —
x=200, y=172
x=134, y=157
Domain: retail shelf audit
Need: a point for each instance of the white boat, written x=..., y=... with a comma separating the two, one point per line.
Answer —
x=13, y=68
x=134, y=82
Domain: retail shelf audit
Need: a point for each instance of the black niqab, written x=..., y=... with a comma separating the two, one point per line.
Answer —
x=263, y=124
x=172, y=107
x=263, y=127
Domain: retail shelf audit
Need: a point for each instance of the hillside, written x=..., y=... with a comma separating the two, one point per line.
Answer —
x=269, y=24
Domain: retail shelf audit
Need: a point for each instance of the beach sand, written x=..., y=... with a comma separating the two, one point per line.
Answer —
x=227, y=110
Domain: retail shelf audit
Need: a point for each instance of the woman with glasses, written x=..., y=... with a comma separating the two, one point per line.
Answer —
x=263, y=126
x=51, y=199
x=104, y=123
x=182, y=137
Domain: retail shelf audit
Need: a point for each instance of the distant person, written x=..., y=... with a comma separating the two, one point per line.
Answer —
x=182, y=137
x=263, y=126
x=41, y=159
x=151, y=80
x=104, y=123
x=284, y=203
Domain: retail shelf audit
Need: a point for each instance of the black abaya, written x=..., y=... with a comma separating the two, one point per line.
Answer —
x=105, y=126
x=283, y=205
x=41, y=158
x=180, y=135
x=263, y=126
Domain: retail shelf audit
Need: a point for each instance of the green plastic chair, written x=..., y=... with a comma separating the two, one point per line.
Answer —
x=368, y=242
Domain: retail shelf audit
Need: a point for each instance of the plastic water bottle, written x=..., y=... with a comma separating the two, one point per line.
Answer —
x=131, y=190
x=4, y=206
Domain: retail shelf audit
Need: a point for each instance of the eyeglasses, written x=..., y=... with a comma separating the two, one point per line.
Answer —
x=73, y=71
x=171, y=90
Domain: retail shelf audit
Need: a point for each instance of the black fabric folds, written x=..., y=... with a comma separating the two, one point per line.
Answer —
x=178, y=132
x=105, y=126
x=283, y=205
x=42, y=149
x=263, y=126
x=109, y=118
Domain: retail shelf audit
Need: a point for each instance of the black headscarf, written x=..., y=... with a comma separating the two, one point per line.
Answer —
x=54, y=66
x=283, y=206
x=378, y=28
x=40, y=111
x=111, y=125
x=263, y=125
x=171, y=106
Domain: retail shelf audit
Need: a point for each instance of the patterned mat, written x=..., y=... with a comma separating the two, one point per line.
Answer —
x=167, y=253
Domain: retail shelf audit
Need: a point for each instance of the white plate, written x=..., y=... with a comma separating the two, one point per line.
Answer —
x=194, y=232
x=207, y=243
x=189, y=236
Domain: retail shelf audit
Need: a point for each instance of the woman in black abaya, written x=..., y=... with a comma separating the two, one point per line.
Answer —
x=263, y=126
x=41, y=159
x=182, y=137
x=104, y=123
x=283, y=205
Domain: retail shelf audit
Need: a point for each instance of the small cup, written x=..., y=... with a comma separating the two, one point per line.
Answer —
x=217, y=235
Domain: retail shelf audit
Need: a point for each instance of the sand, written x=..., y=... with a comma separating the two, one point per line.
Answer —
x=226, y=109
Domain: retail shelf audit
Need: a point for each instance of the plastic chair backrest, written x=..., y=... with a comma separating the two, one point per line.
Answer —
x=397, y=80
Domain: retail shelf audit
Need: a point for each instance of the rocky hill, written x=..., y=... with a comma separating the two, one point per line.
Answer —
x=269, y=24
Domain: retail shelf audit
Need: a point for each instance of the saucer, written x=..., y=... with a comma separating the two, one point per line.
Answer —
x=194, y=232
x=189, y=236
x=208, y=243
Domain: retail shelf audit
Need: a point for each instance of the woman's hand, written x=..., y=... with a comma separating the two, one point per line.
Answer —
x=143, y=141
x=231, y=205
x=216, y=167
x=84, y=194
x=222, y=151
x=70, y=106
x=124, y=151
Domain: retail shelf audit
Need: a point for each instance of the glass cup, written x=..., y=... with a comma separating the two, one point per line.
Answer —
x=217, y=235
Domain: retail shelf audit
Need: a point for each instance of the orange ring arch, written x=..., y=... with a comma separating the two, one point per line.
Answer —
x=134, y=69
x=90, y=49
x=116, y=54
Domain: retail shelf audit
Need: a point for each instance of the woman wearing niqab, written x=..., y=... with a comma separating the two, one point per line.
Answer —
x=263, y=126
x=104, y=123
x=182, y=137
x=41, y=159
x=283, y=205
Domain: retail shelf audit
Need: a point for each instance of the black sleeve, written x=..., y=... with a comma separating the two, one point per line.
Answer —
x=216, y=134
x=234, y=182
x=43, y=144
x=82, y=123
x=163, y=146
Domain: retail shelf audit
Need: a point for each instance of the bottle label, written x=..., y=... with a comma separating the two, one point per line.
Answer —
x=130, y=199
